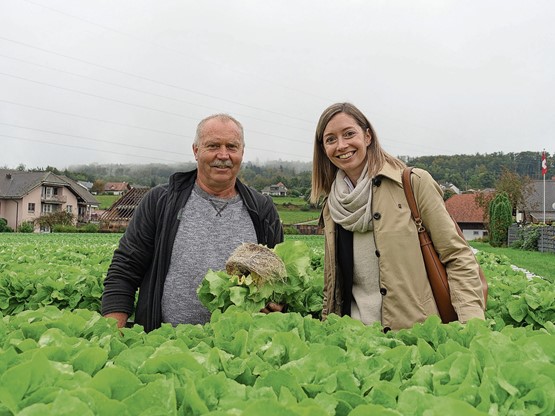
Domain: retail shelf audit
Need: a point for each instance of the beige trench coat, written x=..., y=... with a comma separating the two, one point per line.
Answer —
x=406, y=293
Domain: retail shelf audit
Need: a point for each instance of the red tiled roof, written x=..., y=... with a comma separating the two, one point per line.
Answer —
x=463, y=208
x=116, y=186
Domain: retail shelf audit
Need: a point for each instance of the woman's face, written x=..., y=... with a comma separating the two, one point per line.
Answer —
x=345, y=144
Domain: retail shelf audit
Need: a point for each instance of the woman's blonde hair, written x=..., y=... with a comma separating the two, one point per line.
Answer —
x=323, y=171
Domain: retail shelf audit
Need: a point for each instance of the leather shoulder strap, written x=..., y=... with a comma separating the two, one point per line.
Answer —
x=409, y=193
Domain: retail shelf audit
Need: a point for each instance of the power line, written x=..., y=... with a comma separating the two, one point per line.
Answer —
x=91, y=118
x=139, y=90
x=173, y=86
x=85, y=148
x=92, y=139
x=218, y=64
x=121, y=33
x=127, y=125
x=119, y=143
x=153, y=80
x=127, y=154
x=144, y=107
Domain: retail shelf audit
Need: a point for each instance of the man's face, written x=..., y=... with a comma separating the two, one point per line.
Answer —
x=219, y=155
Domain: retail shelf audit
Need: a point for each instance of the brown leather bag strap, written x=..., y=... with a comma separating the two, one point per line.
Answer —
x=409, y=194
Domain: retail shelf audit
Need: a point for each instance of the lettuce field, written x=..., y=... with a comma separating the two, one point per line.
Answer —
x=58, y=356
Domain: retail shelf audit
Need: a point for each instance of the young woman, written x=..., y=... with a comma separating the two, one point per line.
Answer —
x=374, y=269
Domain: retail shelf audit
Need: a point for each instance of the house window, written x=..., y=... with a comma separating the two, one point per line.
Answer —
x=476, y=232
x=50, y=192
x=47, y=208
x=31, y=207
x=69, y=209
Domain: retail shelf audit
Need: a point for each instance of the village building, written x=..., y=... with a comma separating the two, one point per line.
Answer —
x=534, y=206
x=116, y=188
x=468, y=215
x=25, y=196
x=278, y=189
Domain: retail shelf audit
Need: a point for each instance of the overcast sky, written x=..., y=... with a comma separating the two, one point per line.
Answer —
x=126, y=81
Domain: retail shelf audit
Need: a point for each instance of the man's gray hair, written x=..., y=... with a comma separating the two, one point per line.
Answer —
x=221, y=117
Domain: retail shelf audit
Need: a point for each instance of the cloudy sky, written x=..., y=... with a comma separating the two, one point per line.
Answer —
x=126, y=81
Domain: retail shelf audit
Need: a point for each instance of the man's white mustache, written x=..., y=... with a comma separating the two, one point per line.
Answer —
x=222, y=164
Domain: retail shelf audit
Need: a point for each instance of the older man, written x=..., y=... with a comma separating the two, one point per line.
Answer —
x=182, y=229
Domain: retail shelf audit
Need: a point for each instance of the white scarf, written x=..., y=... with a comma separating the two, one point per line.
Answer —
x=352, y=209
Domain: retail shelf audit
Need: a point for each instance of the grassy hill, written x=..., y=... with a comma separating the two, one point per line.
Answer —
x=294, y=210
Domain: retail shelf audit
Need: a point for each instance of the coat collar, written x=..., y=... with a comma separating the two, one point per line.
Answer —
x=392, y=172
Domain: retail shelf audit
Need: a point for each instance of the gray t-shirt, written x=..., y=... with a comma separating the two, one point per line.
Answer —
x=209, y=230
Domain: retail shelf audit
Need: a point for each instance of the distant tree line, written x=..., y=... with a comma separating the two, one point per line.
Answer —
x=296, y=176
x=479, y=171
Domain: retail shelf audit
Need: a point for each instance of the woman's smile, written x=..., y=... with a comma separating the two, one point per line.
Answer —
x=346, y=155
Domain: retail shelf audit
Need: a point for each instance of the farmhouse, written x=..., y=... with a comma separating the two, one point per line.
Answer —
x=25, y=196
x=468, y=215
x=278, y=189
x=116, y=188
x=534, y=205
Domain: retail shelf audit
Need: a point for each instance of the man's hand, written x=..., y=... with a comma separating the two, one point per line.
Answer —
x=274, y=307
x=121, y=317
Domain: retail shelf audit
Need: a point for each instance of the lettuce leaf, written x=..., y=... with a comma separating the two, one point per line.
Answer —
x=302, y=291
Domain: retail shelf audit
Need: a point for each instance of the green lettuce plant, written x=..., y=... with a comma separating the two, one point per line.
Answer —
x=301, y=290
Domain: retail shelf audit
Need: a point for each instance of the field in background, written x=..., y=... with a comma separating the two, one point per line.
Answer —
x=298, y=217
x=281, y=200
x=541, y=264
x=106, y=201
x=291, y=210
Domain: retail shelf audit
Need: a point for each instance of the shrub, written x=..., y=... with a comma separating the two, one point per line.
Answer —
x=4, y=226
x=290, y=230
x=483, y=239
x=26, y=227
x=89, y=228
x=54, y=219
x=528, y=238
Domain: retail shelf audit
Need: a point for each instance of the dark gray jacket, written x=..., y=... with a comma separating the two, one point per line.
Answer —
x=142, y=258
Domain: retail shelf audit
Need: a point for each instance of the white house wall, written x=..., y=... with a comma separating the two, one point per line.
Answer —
x=470, y=235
